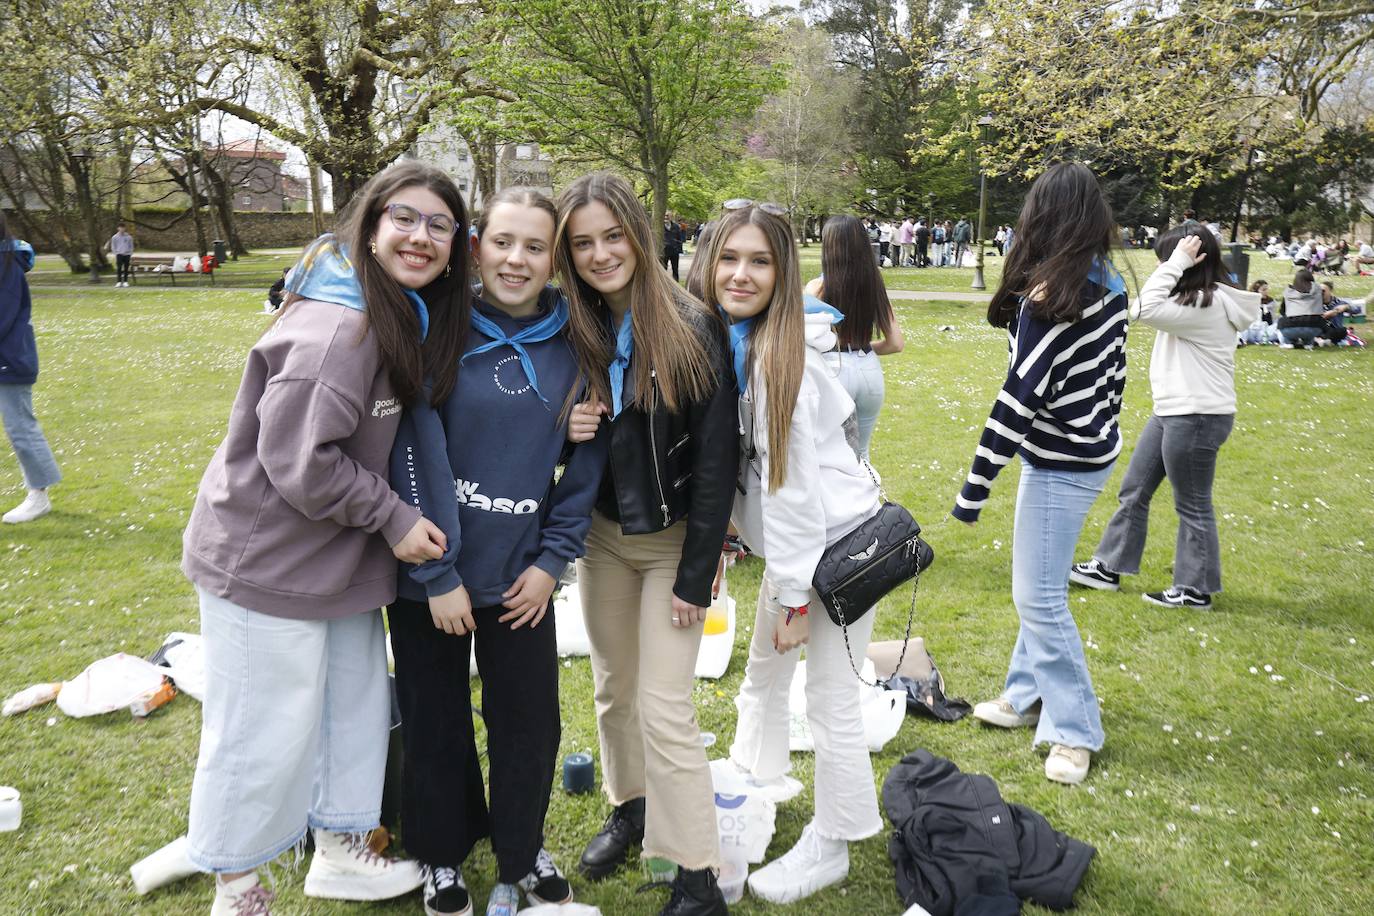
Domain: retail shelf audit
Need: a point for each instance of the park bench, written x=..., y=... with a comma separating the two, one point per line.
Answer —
x=160, y=266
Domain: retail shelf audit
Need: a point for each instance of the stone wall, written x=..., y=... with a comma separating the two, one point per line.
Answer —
x=168, y=230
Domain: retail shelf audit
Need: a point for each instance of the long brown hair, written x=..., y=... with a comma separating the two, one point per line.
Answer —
x=1065, y=224
x=777, y=340
x=1195, y=285
x=390, y=315
x=665, y=342
x=852, y=283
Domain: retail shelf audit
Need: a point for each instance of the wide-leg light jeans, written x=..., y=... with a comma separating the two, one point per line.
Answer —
x=1047, y=663
x=293, y=734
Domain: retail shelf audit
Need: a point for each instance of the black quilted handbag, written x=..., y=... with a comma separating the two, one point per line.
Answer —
x=863, y=566
x=859, y=569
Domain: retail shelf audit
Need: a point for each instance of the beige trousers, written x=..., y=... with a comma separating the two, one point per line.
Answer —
x=643, y=666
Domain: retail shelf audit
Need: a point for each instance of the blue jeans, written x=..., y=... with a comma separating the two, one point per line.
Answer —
x=1300, y=335
x=860, y=374
x=26, y=436
x=1047, y=664
x=293, y=733
x=1184, y=449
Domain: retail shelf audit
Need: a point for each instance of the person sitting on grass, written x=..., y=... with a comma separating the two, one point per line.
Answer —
x=1261, y=330
x=1302, y=320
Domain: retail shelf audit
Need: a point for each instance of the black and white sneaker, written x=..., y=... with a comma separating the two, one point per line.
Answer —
x=445, y=893
x=1094, y=575
x=546, y=883
x=1180, y=596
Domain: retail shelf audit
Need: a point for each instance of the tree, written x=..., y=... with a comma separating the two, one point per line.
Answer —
x=799, y=129
x=357, y=81
x=899, y=52
x=634, y=83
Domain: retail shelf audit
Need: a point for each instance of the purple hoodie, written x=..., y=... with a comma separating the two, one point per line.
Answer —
x=295, y=517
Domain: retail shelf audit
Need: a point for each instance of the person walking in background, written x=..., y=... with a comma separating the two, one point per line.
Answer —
x=293, y=541
x=18, y=373
x=850, y=282
x=963, y=234
x=673, y=239
x=1058, y=410
x=122, y=245
x=1198, y=314
x=1000, y=239
x=655, y=362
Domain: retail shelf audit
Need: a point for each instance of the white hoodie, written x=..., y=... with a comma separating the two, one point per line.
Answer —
x=827, y=493
x=1193, y=366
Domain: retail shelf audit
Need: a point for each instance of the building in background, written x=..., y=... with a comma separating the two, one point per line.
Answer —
x=509, y=164
x=254, y=171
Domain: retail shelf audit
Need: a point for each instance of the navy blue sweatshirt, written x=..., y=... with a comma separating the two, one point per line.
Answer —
x=482, y=467
x=18, y=350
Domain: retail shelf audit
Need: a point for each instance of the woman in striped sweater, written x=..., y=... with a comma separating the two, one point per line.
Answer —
x=1064, y=308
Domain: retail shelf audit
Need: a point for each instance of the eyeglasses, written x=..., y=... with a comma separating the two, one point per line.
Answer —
x=440, y=226
x=741, y=203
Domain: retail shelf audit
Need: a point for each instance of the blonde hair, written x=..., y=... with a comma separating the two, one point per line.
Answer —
x=667, y=347
x=777, y=341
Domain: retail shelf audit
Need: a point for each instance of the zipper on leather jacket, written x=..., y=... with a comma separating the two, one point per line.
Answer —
x=653, y=447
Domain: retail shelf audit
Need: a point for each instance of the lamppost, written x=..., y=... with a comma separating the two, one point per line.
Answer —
x=978, y=283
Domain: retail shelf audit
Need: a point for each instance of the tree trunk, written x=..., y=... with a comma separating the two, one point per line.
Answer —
x=316, y=198
x=222, y=204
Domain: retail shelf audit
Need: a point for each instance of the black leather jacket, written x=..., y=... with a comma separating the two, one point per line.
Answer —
x=667, y=467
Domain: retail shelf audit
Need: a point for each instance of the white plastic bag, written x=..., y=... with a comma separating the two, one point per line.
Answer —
x=882, y=710
x=109, y=684
x=746, y=820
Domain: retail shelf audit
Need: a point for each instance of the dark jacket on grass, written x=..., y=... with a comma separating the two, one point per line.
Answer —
x=953, y=829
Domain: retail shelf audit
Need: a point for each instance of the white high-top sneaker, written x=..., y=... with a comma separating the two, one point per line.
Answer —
x=344, y=867
x=815, y=862
x=241, y=897
x=35, y=505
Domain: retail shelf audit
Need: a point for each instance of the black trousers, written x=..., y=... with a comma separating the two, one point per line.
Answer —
x=670, y=259
x=923, y=254
x=444, y=810
x=123, y=264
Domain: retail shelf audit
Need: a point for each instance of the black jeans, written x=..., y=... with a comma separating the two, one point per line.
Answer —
x=670, y=260
x=122, y=267
x=444, y=808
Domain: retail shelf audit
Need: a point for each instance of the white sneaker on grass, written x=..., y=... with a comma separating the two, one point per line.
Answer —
x=1068, y=765
x=1001, y=713
x=35, y=505
x=345, y=867
x=241, y=897
x=814, y=863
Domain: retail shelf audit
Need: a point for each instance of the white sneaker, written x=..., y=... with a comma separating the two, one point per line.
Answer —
x=344, y=867
x=241, y=897
x=1001, y=713
x=35, y=505
x=1068, y=765
x=814, y=863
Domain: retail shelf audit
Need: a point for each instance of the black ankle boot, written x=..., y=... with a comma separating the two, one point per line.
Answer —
x=610, y=848
x=695, y=893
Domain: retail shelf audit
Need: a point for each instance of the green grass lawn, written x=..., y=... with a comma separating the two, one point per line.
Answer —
x=1237, y=772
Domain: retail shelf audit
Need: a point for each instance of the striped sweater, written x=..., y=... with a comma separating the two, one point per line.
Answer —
x=1059, y=404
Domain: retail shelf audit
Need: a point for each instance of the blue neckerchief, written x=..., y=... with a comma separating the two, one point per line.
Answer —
x=741, y=328
x=324, y=273
x=624, y=349
x=546, y=327
x=23, y=252
x=1104, y=273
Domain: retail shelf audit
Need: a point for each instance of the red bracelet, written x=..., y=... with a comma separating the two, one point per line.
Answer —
x=796, y=612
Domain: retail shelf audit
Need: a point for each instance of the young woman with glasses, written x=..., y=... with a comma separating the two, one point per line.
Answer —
x=293, y=541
